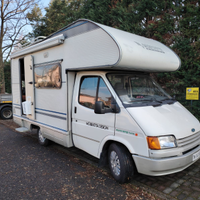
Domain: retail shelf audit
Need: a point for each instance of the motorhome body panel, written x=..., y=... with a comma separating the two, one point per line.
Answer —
x=167, y=119
x=143, y=54
x=94, y=49
x=50, y=103
x=100, y=47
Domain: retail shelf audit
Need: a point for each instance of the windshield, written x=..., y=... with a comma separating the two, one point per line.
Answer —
x=138, y=90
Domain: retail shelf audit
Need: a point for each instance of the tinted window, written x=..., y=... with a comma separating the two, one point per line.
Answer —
x=87, y=95
x=104, y=94
x=88, y=92
x=48, y=76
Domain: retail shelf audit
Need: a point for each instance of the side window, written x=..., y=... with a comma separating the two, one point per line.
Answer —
x=48, y=76
x=89, y=94
x=104, y=94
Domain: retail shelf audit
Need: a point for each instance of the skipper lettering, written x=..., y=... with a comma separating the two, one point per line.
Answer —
x=97, y=125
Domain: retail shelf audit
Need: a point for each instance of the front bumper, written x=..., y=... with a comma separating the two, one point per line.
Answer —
x=164, y=166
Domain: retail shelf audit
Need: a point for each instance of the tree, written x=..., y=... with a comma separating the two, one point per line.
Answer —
x=13, y=20
x=176, y=23
x=187, y=46
x=59, y=14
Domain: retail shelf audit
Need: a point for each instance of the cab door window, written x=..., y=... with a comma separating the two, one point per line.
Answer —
x=94, y=89
x=104, y=94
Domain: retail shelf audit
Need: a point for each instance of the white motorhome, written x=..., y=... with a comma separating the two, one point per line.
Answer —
x=89, y=86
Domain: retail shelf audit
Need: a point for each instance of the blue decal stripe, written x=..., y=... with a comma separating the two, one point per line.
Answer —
x=54, y=116
x=17, y=107
x=51, y=111
x=42, y=123
x=16, y=104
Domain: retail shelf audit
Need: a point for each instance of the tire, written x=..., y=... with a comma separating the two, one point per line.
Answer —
x=120, y=163
x=41, y=139
x=6, y=113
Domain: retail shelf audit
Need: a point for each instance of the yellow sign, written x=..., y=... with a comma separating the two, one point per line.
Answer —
x=192, y=93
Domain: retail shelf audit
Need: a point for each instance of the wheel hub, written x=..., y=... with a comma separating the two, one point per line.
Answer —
x=7, y=113
x=115, y=164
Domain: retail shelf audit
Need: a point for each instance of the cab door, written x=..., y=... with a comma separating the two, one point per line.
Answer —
x=29, y=84
x=88, y=128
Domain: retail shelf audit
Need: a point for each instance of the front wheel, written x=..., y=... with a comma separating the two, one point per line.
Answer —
x=120, y=163
x=41, y=139
x=6, y=113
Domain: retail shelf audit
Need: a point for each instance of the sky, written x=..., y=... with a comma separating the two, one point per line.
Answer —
x=45, y=2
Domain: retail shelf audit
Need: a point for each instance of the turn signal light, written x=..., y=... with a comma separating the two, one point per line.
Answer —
x=153, y=143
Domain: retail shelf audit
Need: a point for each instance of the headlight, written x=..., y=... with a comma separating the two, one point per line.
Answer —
x=164, y=142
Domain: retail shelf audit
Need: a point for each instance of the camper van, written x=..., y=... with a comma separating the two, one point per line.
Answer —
x=89, y=86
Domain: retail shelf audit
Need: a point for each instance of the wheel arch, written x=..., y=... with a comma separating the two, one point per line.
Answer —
x=5, y=105
x=104, y=146
x=108, y=140
x=33, y=126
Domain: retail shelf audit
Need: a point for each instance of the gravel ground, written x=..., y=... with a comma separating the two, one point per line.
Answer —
x=31, y=171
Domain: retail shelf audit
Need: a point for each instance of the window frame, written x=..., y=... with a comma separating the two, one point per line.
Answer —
x=45, y=65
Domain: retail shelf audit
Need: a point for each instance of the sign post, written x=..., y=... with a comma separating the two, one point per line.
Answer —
x=192, y=94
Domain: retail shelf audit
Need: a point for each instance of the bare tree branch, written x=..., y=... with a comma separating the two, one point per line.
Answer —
x=12, y=22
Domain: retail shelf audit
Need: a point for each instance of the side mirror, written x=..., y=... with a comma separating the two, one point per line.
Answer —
x=115, y=107
x=99, y=107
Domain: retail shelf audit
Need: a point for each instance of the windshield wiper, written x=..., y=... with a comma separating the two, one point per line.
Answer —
x=167, y=100
x=136, y=100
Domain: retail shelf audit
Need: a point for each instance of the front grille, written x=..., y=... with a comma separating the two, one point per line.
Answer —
x=188, y=141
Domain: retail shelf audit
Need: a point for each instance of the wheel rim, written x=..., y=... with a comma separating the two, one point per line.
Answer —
x=115, y=164
x=7, y=113
x=41, y=138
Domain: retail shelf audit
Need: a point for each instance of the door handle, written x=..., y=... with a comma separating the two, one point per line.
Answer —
x=31, y=82
x=75, y=109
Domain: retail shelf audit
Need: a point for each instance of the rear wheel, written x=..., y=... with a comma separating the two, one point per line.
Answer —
x=41, y=139
x=120, y=163
x=6, y=113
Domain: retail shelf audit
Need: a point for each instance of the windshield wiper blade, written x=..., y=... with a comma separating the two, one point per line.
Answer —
x=167, y=100
x=136, y=100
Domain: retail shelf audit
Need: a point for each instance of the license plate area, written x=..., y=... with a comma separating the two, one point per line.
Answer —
x=196, y=155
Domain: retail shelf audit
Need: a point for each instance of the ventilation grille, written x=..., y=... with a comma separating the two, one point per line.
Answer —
x=193, y=139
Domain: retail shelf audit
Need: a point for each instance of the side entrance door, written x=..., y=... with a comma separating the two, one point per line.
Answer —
x=88, y=128
x=29, y=84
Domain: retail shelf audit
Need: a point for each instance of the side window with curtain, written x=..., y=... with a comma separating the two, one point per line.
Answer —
x=94, y=89
x=48, y=76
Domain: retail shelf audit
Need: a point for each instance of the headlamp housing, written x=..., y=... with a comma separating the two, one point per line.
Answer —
x=162, y=142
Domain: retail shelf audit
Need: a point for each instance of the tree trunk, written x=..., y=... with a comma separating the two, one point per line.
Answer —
x=2, y=78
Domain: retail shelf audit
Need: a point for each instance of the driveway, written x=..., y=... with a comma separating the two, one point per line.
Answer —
x=29, y=170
